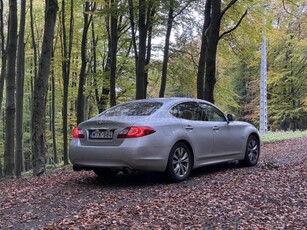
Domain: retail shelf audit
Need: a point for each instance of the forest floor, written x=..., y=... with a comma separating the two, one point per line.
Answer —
x=271, y=195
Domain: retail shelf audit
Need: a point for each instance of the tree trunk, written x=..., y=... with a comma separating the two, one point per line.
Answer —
x=20, y=91
x=140, y=68
x=65, y=77
x=66, y=60
x=35, y=61
x=52, y=117
x=3, y=55
x=82, y=76
x=149, y=26
x=10, y=91
x=33, y=39
x=102, y=91
x=132, y=25
x=40, y=91
x=166, y=48
x=113, y=52
x=202, y=56
x=213, y=38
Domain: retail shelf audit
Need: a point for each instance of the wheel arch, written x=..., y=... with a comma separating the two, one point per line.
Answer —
x=258, y=138
x=255, y=135
x=190, y=148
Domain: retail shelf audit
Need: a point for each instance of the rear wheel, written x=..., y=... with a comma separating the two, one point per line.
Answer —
x=179, y=162
x=252, y=151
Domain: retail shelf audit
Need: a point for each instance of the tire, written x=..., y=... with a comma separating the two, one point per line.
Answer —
x=103, y=172
x=179, y=163
x=252, y=151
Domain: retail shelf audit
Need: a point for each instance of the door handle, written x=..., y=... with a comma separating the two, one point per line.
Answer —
x=189, y=127
x=215, y=128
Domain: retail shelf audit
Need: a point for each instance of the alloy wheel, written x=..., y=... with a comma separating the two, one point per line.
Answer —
x=181, y=162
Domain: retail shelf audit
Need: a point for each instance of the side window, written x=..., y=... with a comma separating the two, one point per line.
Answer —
x=211, y=113
x=187, y=110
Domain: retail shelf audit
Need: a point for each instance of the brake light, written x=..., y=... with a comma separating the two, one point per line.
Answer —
x=77, y=133
x=135, y=131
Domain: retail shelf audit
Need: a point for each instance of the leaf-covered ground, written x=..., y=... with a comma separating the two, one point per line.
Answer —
x=272, y=195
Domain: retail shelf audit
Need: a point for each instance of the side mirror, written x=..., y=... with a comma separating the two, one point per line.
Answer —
x=231, y=117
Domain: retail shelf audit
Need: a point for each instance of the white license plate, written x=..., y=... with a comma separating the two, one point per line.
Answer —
x=101, y=134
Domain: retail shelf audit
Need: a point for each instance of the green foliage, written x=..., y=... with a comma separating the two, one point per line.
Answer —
x=282, y=135
x=287, y=72
x=286, y=64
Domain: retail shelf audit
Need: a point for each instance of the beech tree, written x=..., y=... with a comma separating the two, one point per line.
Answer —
x=66, y=47
x=3, y=54
x=82, y=77
x=146, y=12
x=40, y=91
x=10, y=91
x=20, y=90
x=210, y=38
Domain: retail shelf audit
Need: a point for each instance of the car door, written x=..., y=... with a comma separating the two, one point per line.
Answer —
x=198, y=132
x=226, y=136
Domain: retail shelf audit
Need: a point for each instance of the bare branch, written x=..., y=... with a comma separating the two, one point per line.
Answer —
x=293, y=3
x=236, y=26
x=227, y=7
x=182, y=9
x=286, y=10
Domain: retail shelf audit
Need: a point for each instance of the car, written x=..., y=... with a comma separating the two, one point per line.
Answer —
x=172, y=135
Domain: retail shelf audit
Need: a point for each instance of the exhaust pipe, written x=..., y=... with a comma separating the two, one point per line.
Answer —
x=76, y=168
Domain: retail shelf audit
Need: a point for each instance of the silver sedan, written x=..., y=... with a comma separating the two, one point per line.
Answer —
x=174, y=135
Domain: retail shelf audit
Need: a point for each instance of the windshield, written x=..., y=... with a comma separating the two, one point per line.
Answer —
x=133, y=109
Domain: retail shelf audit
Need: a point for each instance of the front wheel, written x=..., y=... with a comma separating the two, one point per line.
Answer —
x=179, y=162
x=252, y=151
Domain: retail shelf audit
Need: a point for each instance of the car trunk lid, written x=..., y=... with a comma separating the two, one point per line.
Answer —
x=103, y=132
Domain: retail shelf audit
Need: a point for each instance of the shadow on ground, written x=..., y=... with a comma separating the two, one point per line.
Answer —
x=144, y=179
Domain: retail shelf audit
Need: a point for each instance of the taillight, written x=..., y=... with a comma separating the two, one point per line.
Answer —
x=135, y=131
x=77, y=133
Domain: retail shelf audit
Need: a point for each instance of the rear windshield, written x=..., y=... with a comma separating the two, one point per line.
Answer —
x=133, y=109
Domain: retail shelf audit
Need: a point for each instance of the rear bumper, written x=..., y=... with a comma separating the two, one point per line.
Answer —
x=132, y=154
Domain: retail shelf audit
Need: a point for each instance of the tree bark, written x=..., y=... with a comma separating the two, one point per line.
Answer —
x=40, y=91
x=20, y=91
x=140, y=68
x=35, y=61
x=149, y=26
x=213, y=38
x=82, y=76
x=3, y=55
x=33, y=39
x=113, y=52
x=10, y=90
x=203, y=49
x=65, y=77
x=166, y=48
x=66, y=60
x=132, y=25
x=52, y=118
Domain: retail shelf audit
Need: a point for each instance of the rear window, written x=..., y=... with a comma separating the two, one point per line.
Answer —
x=133, y=109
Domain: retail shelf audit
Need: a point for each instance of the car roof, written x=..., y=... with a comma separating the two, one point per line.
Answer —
x=172, y=100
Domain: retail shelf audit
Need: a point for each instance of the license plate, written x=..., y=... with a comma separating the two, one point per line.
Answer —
x=101, y=134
